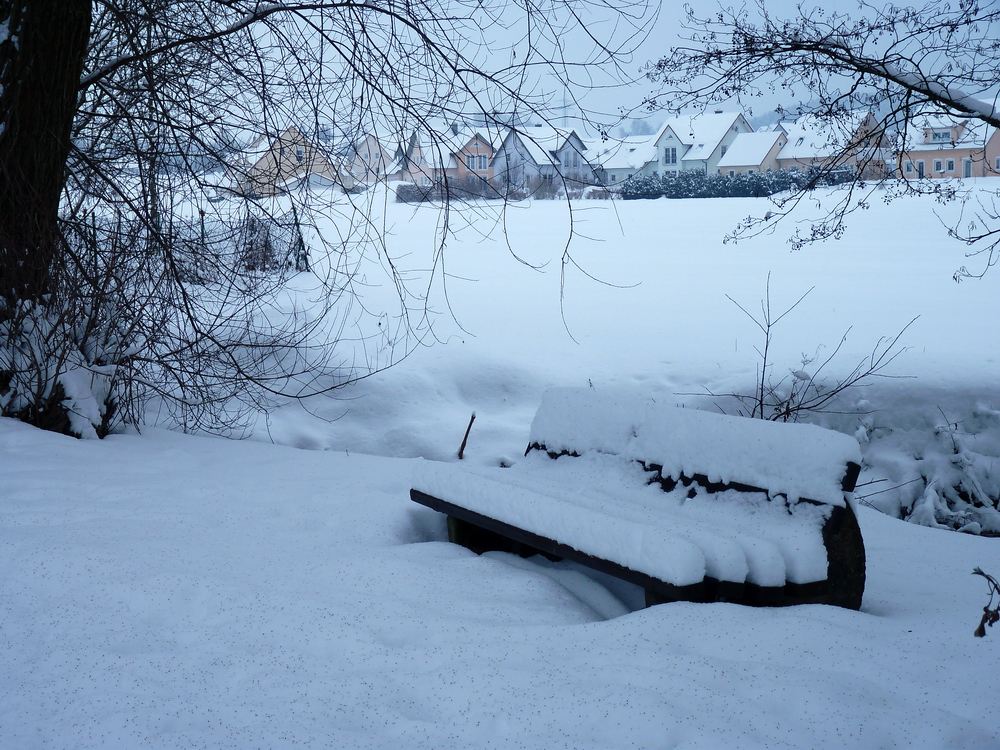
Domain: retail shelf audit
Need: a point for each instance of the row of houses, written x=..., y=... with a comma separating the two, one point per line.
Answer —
x=528, y=158
x=724, y=143
x=460, y=154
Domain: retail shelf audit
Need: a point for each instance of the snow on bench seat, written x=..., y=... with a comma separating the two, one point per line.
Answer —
x=688, y=504
x=604, y=507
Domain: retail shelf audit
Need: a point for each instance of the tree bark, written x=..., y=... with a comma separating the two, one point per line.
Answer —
x=43, y=46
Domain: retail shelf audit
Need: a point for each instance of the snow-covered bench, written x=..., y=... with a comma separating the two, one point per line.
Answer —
x=687, y=504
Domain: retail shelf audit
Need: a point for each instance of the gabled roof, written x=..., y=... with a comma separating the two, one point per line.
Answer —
x=971, y=132
x=269, y=143
x=439, y=146
x=542, y=142
x=811, y=137
x=750, y=149
x=633, y=152
x=701, y=133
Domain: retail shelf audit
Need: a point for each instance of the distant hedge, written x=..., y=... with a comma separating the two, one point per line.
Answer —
x=694, y=184
x=449, y=190
x=409, y=193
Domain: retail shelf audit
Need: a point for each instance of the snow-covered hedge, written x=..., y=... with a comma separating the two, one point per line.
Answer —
x=695, y=184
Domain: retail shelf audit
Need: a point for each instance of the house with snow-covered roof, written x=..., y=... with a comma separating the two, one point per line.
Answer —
x=274, y=164
x=370, y=158
x=617, y=160
x=852, y=141
x=530, y=157
x=696, y=142
x=452, y=153
x=940, y=146
x=752, y=153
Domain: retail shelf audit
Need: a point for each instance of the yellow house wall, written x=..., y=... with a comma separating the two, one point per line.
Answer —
x=281, y=164
x=476, y=147
x=980, y=166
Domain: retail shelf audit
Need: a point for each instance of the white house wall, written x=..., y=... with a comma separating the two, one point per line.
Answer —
x=513, y=164
x=660, y=166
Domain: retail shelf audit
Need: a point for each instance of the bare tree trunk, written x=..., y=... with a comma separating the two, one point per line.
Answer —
x=41, y=61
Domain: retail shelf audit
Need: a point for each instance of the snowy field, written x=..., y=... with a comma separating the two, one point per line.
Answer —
x=171, y=591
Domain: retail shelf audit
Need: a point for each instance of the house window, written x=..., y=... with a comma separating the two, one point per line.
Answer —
x=966, y=167
x=614, y=178
x=920, y=169
x=732, y=172
x=470, y=162
x=938, y=165
x=908, y=167
x=800, y=141
x=723, y=150
x=749, y=171
x=670, y=155
x=483, y=162
x=300, y=153
x=998, y=164
x=941, y=136
x=949, y=165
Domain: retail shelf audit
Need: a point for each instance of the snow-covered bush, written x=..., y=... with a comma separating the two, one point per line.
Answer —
x=929, y=469
x=201, y=318
x=934, y=470
x=407, y=192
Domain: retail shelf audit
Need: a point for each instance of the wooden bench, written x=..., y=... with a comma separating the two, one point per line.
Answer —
x=689, y=505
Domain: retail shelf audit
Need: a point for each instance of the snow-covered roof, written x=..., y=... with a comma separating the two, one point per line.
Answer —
x=438, y=147
x=811, y=137
x=963, y=132
x=543, y=141
x=774, y=126
x=702, y=133
x=750, y=149
x=633, y=152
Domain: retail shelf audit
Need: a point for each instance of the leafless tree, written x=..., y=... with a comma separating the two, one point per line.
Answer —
x=123, y=287
x=898, y=62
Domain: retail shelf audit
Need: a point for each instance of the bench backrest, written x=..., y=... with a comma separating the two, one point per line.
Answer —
x=799, y=461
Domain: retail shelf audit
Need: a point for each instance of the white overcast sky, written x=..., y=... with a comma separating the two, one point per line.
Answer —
x=663, y=35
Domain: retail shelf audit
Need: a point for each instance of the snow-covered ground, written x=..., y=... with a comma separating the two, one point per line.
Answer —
x=163, y=590
x=660, y=322
x=169, y=591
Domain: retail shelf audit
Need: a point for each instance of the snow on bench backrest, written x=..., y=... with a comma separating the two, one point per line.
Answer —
x=797, y=460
